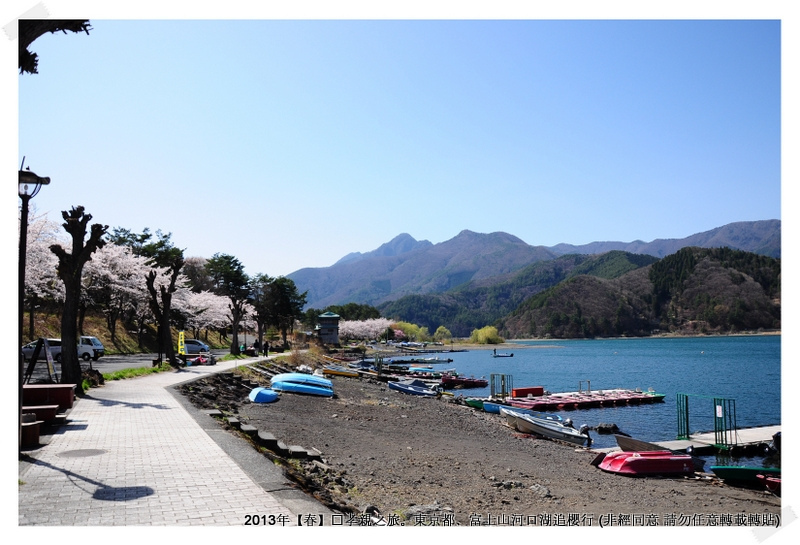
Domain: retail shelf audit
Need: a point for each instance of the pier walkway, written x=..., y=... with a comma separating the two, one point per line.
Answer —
x=704, y=442
x=744, y=437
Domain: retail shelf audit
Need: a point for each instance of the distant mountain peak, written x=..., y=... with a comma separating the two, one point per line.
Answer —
x=405, y=265
x=401, y=244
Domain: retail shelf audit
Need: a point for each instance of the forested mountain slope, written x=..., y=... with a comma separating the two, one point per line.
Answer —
x=483, y=302
x=405, y=266
x=693, y=291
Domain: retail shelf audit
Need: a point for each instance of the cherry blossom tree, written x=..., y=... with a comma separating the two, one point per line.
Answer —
x=41, y=279
x=363, y=329
x=114, y=283
x=203, y=310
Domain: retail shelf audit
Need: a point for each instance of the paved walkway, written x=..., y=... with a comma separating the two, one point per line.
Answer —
x=133, y=454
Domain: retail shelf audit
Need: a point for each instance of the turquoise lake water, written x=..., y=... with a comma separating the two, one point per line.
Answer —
x=746, y=369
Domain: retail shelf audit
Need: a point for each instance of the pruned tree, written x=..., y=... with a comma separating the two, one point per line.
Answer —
x=165, y=261
x=70, y=268
x=31, y=29
x=161, y=304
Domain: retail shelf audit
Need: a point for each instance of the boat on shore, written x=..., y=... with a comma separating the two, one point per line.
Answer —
x=745, y=475
x=301, y=383
x=658, y=462
x=512, y=416
x=412, y=387
x=449, y=381
x=629, y=444
x=771, y=483
x=552, y=429
x=262, y=395
x=338, y=370
x=535, y=414
x=492, y=407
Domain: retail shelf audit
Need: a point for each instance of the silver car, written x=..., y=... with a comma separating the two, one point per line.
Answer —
x=193, y=346
x=55, y=350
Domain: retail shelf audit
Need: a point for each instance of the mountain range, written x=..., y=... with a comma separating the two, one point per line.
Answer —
x=405, y=266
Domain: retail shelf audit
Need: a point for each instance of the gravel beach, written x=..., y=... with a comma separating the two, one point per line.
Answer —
x=425, y=461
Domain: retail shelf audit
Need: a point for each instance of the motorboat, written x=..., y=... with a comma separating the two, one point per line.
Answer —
x=412, y=387
x=552, y=429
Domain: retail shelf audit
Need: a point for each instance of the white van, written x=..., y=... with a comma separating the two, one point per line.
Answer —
x=90, y=347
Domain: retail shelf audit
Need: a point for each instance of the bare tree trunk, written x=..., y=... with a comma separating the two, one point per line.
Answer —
x=162, y=311
x=70, y=268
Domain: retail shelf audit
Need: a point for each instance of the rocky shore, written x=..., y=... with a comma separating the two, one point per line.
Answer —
x=423, y=461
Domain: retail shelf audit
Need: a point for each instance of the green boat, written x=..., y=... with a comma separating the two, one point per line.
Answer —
x=474, y=403
x=744, y=474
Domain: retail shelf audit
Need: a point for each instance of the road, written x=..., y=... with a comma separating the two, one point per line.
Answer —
x=107, y=364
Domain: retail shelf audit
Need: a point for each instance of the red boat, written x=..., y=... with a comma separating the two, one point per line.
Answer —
x=657, y=462
x=772, y=483
x=454, y=381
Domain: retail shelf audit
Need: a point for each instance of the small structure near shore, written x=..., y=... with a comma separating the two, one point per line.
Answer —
x=328, y=328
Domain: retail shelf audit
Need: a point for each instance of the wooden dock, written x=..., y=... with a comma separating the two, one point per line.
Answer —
x=704, y=442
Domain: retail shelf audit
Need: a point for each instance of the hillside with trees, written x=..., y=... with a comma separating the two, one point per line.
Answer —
x=486, y=301
x=142, y=290
x=405, y=266
x=694, y=291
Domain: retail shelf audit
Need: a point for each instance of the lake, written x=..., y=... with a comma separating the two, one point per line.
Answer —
x=746, y=369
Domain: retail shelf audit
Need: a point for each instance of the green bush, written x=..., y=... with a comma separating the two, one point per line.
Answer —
x=485, y=335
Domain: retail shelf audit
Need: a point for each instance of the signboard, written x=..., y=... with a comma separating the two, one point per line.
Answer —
x=49, y=356
x=182, y=343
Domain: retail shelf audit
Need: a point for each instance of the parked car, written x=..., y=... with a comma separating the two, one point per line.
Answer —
x=90, y=347
x=193, y=346
x=55, y=350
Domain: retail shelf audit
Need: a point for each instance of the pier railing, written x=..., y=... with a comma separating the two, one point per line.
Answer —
x=724, y=420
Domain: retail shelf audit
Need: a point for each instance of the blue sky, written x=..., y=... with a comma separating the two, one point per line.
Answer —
x=291, y=143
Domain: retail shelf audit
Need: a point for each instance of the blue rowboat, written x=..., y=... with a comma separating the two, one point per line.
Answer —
x=301, y=383
x=493, y=408
x=263, y=395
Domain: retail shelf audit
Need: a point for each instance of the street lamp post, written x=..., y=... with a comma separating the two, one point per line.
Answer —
x=29, y=186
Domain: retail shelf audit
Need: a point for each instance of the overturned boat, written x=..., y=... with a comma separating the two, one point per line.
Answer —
x=658, y=462
x=301, y=383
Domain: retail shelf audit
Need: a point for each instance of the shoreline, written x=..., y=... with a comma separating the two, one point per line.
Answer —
x=516, y=343
x=429, y=460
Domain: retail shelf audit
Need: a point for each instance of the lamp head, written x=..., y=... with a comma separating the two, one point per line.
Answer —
x=30, y=183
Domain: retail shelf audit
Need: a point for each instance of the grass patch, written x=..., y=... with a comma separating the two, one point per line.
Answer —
x=137, y=372
x=231, y=357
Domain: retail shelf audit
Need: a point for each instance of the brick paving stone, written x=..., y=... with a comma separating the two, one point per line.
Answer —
x=158, y=467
